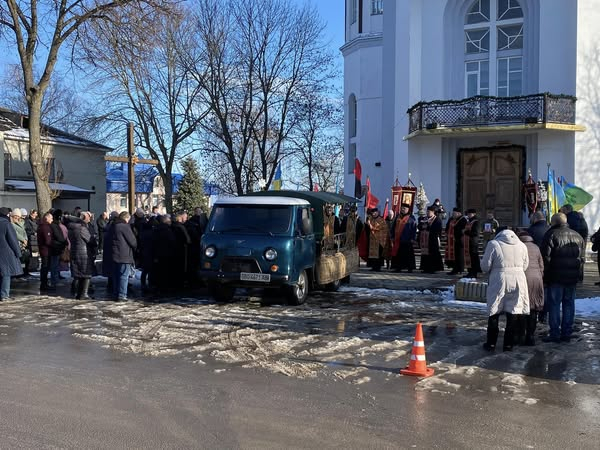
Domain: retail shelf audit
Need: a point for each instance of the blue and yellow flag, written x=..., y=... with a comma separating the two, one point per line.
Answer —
x=576, y=196
x=552, y=208
x=277, y=179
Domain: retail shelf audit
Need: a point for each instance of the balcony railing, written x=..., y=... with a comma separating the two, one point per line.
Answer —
x=492, y=111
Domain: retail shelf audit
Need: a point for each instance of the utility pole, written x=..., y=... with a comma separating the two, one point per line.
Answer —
x=131, y=161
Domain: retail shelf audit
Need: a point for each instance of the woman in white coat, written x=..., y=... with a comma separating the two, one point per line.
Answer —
x=505, y=259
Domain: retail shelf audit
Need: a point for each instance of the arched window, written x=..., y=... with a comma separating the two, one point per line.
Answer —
x=493, y=31
x=352, y=116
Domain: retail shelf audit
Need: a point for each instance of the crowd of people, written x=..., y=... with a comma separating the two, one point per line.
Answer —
x=532, y=273
x=164, y=247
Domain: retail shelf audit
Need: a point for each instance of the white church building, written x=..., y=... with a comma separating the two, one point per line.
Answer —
x=469, y=95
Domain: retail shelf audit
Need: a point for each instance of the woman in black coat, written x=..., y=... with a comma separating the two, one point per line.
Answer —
x=82, y=253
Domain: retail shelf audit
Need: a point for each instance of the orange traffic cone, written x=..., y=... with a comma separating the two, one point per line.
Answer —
x=418, y=364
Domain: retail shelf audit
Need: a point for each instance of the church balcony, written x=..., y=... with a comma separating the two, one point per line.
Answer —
x=480, y=114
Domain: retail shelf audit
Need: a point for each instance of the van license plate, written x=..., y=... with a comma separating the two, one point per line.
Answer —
x=262, y=277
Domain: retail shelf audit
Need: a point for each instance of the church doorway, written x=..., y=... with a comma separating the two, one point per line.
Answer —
x=490, y=179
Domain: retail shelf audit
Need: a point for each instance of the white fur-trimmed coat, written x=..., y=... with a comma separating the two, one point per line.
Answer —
x=506, y=259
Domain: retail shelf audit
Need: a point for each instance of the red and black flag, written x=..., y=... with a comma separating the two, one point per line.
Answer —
x=357, y=176
x=372, y=201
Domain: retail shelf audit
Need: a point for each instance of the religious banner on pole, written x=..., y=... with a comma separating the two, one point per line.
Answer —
x=403, y=195
x=530, y=191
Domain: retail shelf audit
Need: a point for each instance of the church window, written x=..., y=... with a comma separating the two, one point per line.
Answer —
x=376, y=7
x=354, y=10
x=353, y=122
x=477, y=78
x=510, y=76
x=493, y=31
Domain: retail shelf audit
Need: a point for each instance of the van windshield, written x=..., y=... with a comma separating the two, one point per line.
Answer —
x=254, y=219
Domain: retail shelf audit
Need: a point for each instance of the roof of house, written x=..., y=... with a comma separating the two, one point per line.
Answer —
x=14, y=125
x=116, y=179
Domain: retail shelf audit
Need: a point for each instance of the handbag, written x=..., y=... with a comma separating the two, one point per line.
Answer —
x=65, y=256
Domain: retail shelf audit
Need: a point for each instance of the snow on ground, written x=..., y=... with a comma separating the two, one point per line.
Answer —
x=355, y=336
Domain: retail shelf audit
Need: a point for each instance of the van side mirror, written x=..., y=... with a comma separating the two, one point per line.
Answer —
x=307, y=226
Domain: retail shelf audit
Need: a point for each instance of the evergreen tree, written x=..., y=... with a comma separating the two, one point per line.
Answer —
x=191, y=188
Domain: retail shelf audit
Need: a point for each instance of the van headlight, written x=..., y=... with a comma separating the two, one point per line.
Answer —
x=270, y=254
x=210, y=251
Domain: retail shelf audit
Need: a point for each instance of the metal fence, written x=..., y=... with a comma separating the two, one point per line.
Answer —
x=491, y=111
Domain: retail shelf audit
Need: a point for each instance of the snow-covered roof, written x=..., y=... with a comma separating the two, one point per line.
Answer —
x=24, y=185
x=10, y=126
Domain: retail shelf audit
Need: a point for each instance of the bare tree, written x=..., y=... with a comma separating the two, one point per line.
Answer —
x=39, y=29
x=135, y=60
x=62, y=106
x=317, y=139
x=252, y=58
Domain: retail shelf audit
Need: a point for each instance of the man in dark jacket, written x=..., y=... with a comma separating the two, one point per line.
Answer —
x=123, y=245
x=180, y=251
x=101, y=226
x=456, y=228
x=538, y=227
x=163, y=243
x=576, y=221
x=471, y=244
x=10, y=254
x=44, y=240
x=83, y=245
x=564, y=256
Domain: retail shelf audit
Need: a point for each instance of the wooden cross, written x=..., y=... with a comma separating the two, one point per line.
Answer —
x=131, y=159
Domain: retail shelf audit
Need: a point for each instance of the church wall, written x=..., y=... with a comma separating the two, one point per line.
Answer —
x=425, y=167
x=366, y=86
x=587, y=144
x=557, y=41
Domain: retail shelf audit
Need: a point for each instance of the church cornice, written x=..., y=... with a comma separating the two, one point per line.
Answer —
x=362, y=41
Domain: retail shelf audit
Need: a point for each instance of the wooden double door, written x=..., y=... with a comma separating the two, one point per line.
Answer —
x=490, y=180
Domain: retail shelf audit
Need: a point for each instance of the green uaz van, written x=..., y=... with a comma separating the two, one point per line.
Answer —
x=274, y=240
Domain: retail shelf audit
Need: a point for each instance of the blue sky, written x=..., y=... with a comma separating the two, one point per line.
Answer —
x=332, y=12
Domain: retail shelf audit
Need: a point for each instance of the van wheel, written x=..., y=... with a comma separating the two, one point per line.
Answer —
x=221, y=293
x=298, y=292
x=334, y=286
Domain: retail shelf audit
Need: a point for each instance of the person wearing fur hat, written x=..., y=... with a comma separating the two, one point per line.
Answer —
x=404, y=233
x=378, y=239
x=430, y=232
x=455, y=257
x=471, y=244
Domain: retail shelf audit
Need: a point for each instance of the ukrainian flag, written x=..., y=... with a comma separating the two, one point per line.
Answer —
x=576, y=196
x=552, y=208
x=277, y=179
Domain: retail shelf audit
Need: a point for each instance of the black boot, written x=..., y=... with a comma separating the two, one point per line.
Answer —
x=492, y=332
x=82, y=291
x=74, y=286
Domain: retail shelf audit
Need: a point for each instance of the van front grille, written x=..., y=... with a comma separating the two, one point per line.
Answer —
x=240, y=265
